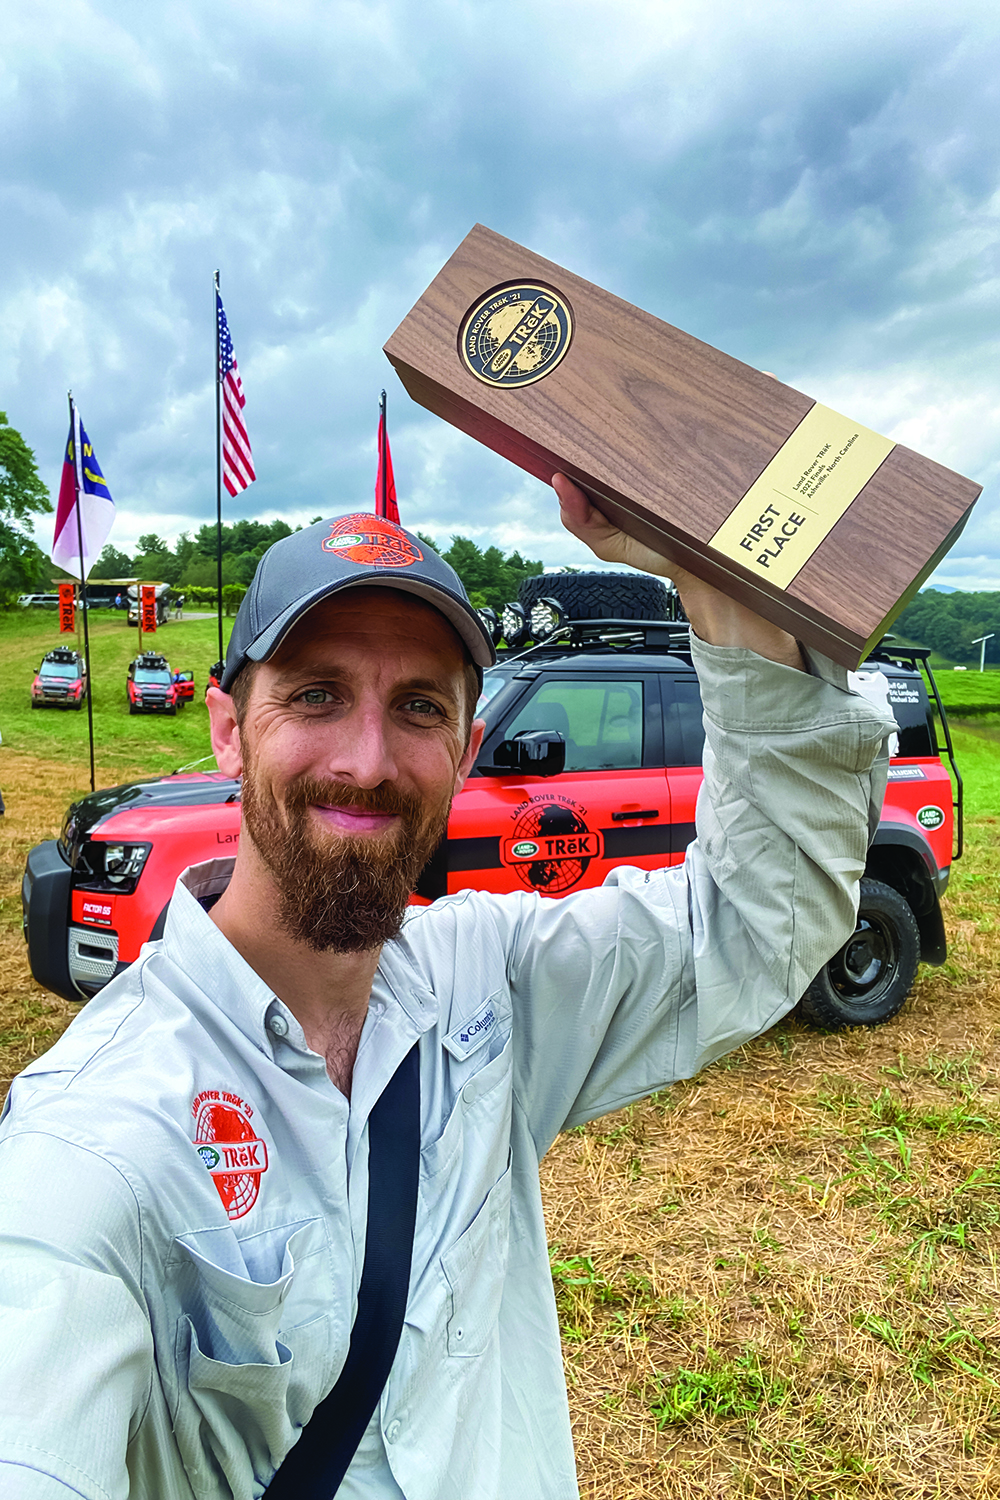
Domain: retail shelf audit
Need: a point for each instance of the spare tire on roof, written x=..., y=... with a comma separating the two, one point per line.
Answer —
x=599, y=596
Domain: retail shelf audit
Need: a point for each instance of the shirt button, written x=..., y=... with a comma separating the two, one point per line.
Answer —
x=392, y=1432
x=469, y=1093
x=278, y=1026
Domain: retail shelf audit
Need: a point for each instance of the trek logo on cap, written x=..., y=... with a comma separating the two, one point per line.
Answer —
x=372, y=542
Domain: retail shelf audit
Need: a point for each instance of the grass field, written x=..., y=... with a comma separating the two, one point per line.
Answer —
x=781, y=1279
x=969, y=687
x=141, y=743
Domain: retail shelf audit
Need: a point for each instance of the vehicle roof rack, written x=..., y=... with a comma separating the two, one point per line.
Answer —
x=612, y=633
x=885, y=651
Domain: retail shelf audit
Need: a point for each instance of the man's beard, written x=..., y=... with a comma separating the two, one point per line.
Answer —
x=341, y=894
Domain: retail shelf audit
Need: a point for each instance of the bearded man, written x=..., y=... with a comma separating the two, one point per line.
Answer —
x=287, y=1163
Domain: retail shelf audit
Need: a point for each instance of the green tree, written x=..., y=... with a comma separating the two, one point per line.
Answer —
x=199, y=572
x=493, y=577
x=154, y=560
x=23, y=564
x=949, y=623
x=112, y=564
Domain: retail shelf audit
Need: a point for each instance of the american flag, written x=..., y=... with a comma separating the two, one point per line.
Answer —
x=237, y=460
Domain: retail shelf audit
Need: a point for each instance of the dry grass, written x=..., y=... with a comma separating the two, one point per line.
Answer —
x=37, y=792
x=781, y=1278
x=777, y=1280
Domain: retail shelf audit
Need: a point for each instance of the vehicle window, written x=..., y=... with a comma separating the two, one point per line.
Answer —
x=151, y=674
x=59, y=669
x=684, y=731
x=909, y=706
x=601, y=722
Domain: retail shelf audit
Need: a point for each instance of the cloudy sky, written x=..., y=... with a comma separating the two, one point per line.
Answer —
x=813, y=189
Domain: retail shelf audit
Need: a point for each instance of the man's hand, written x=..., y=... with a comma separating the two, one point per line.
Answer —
x=714, y=617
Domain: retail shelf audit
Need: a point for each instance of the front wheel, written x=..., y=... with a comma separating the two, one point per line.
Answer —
x=868, y=980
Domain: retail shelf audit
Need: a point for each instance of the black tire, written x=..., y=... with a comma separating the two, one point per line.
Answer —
x=599, y=596
x=132, y=709
x=868, y=980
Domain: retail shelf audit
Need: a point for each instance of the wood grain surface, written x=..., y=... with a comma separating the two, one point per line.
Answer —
x=666, y=434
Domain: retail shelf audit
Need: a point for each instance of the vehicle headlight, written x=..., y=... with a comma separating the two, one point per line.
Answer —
x=110, y=867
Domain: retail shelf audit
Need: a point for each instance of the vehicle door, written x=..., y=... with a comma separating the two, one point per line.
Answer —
x=184, y=683
x=610, y=806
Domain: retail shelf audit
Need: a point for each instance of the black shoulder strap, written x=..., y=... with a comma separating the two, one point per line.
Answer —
x=314, y=1468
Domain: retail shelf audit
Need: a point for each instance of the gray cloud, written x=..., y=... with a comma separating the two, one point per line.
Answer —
x=814, y=192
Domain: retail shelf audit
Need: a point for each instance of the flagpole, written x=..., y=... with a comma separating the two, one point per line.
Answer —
x=382, y=435
x=75, y=430
x=218, y=464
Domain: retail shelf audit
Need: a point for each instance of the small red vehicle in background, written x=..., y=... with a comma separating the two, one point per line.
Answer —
x=154, y=689
x=61, y=680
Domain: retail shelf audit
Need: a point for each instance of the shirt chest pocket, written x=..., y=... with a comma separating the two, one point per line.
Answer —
x=252, y=1356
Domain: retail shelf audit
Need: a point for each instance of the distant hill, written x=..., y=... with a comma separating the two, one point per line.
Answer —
x=949, y=621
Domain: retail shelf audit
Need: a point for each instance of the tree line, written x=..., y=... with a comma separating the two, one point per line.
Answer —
x=949, y=623
x=490, y=576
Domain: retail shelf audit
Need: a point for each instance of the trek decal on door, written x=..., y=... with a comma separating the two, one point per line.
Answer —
x=550, y=844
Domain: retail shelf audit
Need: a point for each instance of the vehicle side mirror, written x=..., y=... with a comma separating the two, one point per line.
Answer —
x=539, y=752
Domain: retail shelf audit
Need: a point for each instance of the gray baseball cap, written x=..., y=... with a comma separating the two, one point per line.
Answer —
x=346, y=552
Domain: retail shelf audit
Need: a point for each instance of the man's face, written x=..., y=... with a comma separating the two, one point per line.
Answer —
x=354, y=741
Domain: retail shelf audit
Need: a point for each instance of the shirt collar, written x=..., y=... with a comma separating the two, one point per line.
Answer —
x=195, y=944
x=192, y=941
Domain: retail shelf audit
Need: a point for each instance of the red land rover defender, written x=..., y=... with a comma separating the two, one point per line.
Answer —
x=153, y=688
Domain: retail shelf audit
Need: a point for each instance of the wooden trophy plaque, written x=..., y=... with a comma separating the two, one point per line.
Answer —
x=817, y=523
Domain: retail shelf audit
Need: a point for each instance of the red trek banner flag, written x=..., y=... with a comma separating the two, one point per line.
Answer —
x=148, y=607
x=86, y=510
x=390, y=510
x=67, y=608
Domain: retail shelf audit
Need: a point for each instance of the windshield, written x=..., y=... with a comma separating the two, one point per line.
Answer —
x=492, y=683
x=59, y=669
x=151, y=674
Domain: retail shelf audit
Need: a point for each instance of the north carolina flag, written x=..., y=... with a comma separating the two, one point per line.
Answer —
x=83, y=493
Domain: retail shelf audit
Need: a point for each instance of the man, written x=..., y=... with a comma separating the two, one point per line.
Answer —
x=169, y=1325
